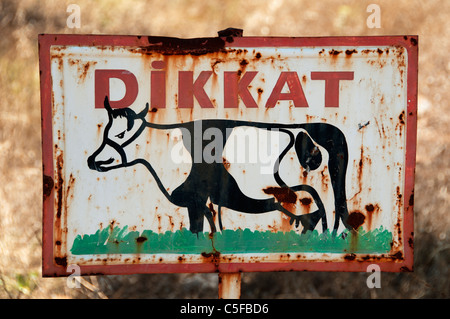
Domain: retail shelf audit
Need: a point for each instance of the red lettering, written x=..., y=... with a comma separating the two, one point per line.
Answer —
x=332, y=85
x=295, y=91
x=235, y=88
x=187, y=89
x=102, y=87
x=158, y=89
x=158, y=86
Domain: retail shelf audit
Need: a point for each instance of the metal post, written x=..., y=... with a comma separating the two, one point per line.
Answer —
x=230, y=285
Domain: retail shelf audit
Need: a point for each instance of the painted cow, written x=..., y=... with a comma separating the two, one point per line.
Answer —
x=211, y=180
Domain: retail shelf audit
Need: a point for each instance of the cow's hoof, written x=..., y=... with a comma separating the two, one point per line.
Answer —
x=296, y=219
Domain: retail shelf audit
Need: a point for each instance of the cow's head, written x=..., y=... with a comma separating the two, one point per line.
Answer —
x=123, y=127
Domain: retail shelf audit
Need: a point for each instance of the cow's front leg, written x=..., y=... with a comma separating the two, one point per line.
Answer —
x=196, y=219
x=197, y=214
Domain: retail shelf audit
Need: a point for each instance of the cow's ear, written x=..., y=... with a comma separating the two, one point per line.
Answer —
x=144, y=112
x=107, y=106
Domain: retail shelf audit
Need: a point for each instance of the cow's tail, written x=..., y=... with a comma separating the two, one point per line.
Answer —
x=219, y=215
x=333, y=140
x=276, y=168
x=308, y=154
x=310, y=158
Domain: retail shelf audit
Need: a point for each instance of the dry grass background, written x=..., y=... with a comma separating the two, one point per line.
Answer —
x=20, y=138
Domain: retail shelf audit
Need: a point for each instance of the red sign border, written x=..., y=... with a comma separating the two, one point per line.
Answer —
x=53, y=267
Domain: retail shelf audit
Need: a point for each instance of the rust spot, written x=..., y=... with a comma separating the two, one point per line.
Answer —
x=47, y=186
x=399, y=195
x=411, y=242
x=226, y=163
x=350, y=257
x=61, y=261
x=214, y=255
x=306, y=201
x=334, y=52
x=258, y=55
x=216, y=61
x=379, y=51
x=86, y=69
x=230, y=39
x=111, y=225
x=260, y=91
x=176, y=46
x=350, y=52
x=397, y=255
x=411, y=199
x=355, y=219
x=70, y=185
x=59, y=184
x=154, y=110
x=243, y=62
x=371, y=210
x=401, y=117
x=141, y=239
x=282, y=194
x=212, y=210
x=230, y=33
x=413, y=41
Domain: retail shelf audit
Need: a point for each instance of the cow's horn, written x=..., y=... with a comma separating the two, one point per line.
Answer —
x=144, y=112
x=106, y=104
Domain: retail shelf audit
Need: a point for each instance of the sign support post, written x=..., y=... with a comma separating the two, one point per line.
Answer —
x=229, y=285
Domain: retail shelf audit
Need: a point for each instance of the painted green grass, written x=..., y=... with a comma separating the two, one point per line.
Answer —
x=122, y=241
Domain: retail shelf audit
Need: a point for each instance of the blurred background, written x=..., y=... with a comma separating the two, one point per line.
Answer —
x=20, y=137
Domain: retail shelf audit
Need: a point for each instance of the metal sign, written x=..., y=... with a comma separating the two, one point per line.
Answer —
x=227, y=154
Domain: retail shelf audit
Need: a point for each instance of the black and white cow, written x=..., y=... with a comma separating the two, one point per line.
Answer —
x=211, y=180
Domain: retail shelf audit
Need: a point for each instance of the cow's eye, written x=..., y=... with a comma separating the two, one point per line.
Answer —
x=121, y=135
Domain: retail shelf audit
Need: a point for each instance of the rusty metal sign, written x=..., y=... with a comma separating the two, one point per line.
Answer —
x=227, y=154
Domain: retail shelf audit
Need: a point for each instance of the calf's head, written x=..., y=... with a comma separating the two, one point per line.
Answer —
x=123, y=127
